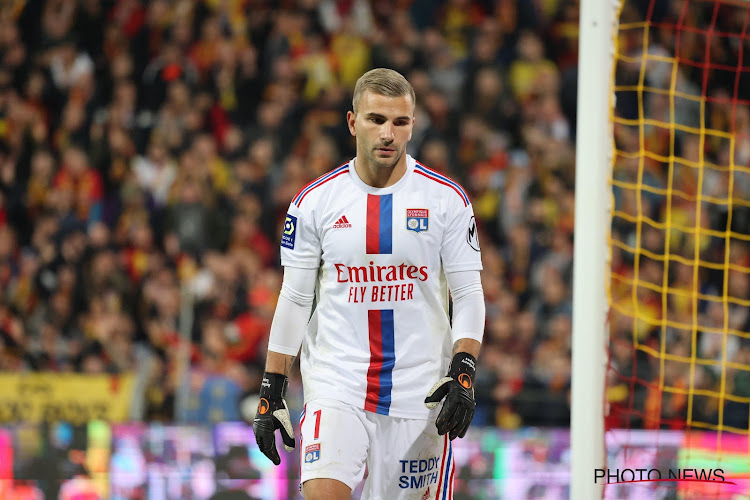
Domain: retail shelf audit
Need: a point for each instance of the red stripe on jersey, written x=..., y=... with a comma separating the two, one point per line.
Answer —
x=450, y=481
x=372, y=244
x=442, y=465
x=301, y=449
x=314, y=181
x=444, y=183
x=447, y=179
x=316, y=187
x=376, y=360
x=346, y=221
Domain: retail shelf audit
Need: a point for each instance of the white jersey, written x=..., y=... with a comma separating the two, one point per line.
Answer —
x=380, y=335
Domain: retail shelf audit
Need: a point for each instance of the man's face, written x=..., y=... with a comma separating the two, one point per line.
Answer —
x=382, y=126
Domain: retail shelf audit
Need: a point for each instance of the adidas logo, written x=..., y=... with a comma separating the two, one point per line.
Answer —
x=342, y=222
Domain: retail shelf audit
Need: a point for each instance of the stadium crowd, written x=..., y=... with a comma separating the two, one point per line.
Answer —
x=149, y=151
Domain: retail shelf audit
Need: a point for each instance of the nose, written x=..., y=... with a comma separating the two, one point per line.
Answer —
x=386, y=133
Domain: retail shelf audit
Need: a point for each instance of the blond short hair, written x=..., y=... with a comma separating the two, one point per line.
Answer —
x=383, y=81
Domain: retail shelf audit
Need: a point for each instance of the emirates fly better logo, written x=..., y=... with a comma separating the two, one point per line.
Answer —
x=375, y=283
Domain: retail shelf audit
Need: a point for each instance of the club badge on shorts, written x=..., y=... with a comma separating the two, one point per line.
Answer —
x=312, y=453
x=417, y=219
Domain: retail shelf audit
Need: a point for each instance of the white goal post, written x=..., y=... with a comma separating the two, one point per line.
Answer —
x=591, y=255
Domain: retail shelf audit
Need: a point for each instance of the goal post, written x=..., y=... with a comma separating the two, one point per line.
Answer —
x=661, y=285
x=594, y=138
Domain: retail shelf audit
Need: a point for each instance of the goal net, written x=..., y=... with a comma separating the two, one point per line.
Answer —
x=677, y=279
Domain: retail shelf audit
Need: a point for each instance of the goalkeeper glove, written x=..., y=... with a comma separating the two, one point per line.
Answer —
x=273, y=414
x=457, y=387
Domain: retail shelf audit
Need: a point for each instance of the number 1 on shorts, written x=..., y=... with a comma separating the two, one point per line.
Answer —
x=317, y=424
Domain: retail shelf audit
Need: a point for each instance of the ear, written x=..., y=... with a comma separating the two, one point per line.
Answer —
x=351, y=118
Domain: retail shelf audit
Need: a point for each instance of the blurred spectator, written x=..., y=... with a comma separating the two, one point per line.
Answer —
x=155, y=172
x=531, y=74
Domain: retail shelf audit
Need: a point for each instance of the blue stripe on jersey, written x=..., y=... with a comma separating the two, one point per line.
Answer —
x=389, y=360
x=447, y=472
x=319, y=181
x=443, y=178
x=386, y=223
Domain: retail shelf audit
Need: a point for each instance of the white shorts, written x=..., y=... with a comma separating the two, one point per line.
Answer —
x=405, y=458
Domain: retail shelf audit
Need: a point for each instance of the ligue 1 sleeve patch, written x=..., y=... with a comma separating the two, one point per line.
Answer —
x=290, y=232
x=417, y=219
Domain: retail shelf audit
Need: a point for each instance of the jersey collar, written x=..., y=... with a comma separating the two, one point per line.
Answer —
x=410, y=162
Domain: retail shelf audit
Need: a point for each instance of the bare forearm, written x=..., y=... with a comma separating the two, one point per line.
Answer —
x=279, y=363
x=467, y=345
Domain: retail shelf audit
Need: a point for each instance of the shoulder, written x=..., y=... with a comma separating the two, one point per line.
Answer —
x=443, y=182
x=320, y=184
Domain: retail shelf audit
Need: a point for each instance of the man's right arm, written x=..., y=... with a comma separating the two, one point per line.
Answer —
x=290, y=318
x=287, y=332
x=279, y=363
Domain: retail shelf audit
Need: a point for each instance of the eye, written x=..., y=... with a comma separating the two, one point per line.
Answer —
x=376, y=120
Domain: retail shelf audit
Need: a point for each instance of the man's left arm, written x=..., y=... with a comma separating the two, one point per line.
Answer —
x=470, y=346
x=457, y=387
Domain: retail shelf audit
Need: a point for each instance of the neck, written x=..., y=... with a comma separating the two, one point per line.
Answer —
x=379, y=177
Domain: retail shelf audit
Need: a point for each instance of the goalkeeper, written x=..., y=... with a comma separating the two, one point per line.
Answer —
x=388, y=379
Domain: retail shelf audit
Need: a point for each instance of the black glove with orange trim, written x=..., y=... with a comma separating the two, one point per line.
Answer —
x=457, y=387
x=273, y=414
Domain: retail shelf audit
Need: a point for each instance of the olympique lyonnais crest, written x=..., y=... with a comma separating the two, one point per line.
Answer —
x=417, y=219
x=312, y=453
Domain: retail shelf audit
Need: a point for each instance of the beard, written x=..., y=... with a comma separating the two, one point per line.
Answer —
x=384, y=162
